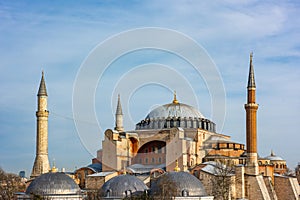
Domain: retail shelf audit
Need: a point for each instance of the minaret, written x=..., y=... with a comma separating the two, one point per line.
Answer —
x=41, y=163
x=119, y=116
x=251, y=109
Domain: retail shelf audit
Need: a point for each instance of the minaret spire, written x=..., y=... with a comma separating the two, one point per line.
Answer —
x=42, y=89
x=251, y=80
x=41, y=163
x=251, y=130
x=119, y=116
x=119, y=106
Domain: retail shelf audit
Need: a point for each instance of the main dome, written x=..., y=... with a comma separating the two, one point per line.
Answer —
x=174, y=110
x=175, y=114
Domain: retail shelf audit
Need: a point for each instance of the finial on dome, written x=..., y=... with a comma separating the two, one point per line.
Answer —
x=176, y=169
x=54, y=169
x=272, y=153
x=175, y=100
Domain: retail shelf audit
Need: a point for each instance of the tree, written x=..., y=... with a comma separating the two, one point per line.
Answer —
x=9, y=185
x=165, y=188
x=289, y=172
x=222, y=181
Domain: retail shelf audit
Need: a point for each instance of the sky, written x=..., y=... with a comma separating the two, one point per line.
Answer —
x=61, y=38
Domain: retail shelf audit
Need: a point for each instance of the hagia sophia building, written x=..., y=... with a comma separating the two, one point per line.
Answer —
x=174, y=153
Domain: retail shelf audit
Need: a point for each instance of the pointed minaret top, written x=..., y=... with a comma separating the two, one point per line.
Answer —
x=119, y=107
x=42, y=89
x=251, y=81
x=175, y=100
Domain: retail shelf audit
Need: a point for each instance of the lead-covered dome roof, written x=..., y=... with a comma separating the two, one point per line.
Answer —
x=177, y=184
x=274, y=157
x=53, y=183
x=118, y=186
x=175, y=114
x=174, y=110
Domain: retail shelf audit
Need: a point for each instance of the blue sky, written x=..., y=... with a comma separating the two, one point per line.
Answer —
x=57, y=36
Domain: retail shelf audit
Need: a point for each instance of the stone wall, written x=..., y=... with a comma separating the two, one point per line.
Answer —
x=286, y=188
x=270, y=187
x=255, y=188
x=94, y=183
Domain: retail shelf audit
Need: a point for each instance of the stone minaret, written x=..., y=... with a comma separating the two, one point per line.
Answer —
x=41, y=163
x=251, y=109
x=119, y=116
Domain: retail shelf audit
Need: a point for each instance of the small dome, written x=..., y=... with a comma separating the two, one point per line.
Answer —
x=53, y=183
x=119, y=185
x=174, y=110
x=274, y=157
x=177, y=184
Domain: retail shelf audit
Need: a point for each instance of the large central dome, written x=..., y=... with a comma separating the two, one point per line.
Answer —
x=174, y=110
x=175, y=114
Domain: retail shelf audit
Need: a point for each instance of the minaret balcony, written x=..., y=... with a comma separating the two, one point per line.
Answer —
x=42, y=113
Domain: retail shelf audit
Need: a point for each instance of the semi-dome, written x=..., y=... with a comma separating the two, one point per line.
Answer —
x=122, y=185
x=177, y=184
x=174, y=110
x=53, y=184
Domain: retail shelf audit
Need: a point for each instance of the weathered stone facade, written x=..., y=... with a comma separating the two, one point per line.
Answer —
x=287, y=188
x=95, y=181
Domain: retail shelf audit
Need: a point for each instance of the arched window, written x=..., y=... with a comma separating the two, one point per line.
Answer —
x=108, y=192
x=159, y=149
x=153, y=149
x=184, y=193
x=128, y=193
